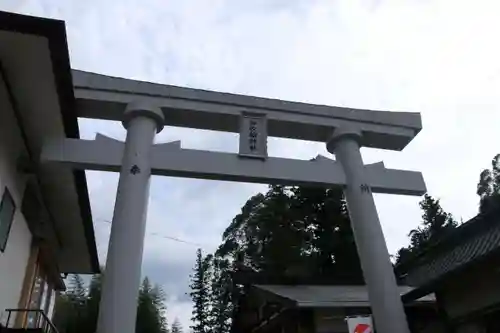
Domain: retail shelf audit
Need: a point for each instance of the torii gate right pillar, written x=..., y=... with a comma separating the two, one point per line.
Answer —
x=385, y=299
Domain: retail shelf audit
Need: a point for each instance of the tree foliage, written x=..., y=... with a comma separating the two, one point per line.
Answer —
x=71, y=310
x=488, y=187
x=200, y=290
x=151, y=309
x=436, y=223
x=288, y=231
x=176, y=326
x=220, y=296
x=77, y=308
x=294, y=231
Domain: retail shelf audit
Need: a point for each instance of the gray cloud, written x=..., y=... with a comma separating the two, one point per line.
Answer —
x=177, y=271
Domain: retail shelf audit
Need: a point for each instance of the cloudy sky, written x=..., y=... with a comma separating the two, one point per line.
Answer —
x=440, y=58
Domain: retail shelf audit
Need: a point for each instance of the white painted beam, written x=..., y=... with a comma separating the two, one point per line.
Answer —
x=104, y=97
x=170, y=159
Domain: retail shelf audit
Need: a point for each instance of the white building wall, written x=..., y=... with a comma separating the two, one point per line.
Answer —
x=14, y=259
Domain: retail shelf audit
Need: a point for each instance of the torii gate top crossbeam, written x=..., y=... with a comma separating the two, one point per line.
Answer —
x=104, y=97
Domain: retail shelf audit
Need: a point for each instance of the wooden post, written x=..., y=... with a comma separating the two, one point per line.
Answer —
x=29, y=277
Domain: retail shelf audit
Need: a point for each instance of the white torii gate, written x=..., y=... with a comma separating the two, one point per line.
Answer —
x=144, y=108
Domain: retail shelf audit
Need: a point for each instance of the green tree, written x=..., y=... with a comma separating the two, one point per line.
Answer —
x=92, y=299
x=77, y=308
x=176, y=326
x=200, y=291
x=62, y=313
x=436, y=224
x=70, y=310
x=488, y=187
x=220, y=297
x=327, y=239
x=151, y=309
x=288, y=231
x=294, y=231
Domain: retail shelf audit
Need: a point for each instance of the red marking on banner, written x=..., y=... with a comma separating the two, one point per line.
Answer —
x=362, y=328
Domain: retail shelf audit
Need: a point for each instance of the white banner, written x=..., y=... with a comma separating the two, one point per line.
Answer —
x=360, y=324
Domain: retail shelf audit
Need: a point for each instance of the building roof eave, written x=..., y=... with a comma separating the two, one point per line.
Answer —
x=55, y=34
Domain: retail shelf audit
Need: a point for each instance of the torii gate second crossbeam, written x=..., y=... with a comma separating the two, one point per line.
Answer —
x=144, y=108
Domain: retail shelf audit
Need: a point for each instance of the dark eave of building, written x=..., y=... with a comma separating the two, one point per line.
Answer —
x=55, y=33
x=470, y=244
x=248, y=277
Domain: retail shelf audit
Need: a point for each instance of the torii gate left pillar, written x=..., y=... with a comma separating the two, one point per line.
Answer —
x=118, y=306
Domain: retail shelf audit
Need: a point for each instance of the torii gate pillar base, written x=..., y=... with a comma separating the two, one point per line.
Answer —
x=122, y=275
x=385, y=299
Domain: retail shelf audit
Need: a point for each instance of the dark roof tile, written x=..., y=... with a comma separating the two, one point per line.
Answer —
x=473, y=240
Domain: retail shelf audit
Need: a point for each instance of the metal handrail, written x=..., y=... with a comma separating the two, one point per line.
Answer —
x=42, y=321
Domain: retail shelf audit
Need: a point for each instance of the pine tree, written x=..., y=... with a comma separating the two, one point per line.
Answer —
x=200, y=291
x=436, y=224
x=77, y=297
x=220, y=297
x=288, y=231
x=176, y=326
x=77, y=309
x=150, y=309
x=76, y=290
x=159, y=298
x=436, y=221
x=93, y=298
x=71, y=313
x=488, y=187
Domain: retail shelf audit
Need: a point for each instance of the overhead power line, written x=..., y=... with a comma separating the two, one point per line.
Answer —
x=156, y=234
